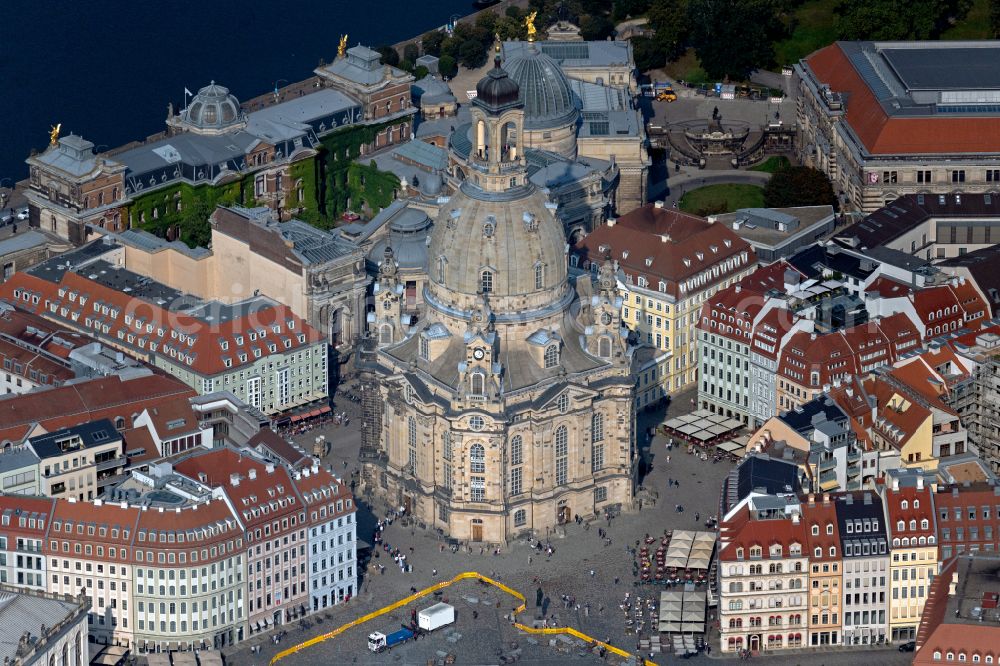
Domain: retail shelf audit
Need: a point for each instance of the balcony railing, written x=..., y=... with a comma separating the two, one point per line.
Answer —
x=111, y=463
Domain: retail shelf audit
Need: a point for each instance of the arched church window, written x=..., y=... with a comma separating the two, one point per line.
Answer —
x=604, y=347
x=477, y=459
x=539, y=276
x=442, y=262
x=385, y=334
x=478, y=383
x=562, y=454
x=551, y=356
x=597, y=427
x=516, y=450
x=411, y=431
x=486, y=280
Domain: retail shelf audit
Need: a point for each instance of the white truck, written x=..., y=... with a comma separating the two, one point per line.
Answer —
x=435, y=617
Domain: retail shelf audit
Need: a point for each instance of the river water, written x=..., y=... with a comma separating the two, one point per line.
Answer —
x=106, y=69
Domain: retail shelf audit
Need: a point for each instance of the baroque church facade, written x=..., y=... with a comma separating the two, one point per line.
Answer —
x=507, y=403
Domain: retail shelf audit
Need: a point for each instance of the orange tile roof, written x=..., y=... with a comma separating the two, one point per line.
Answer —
x=22, y=507
x=884, y=135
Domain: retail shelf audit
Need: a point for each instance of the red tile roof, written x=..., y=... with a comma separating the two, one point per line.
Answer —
x=203, y=349
x=662, y=244
x=764, y=533
x=821, y=516
x=73, y=404
x=883, y=135
x=34, y=512
x=895, y=512
x=272, y=492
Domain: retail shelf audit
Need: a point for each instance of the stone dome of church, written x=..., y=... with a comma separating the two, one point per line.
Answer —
x=213, y=109
x=544, y=90
x=516, y=240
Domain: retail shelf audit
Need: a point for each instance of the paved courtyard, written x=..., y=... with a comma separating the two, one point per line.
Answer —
x=596, y=572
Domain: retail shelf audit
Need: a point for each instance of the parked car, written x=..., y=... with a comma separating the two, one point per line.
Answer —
x=350, y=216
x=6, y=217
x=22, y=213
x=908, y=647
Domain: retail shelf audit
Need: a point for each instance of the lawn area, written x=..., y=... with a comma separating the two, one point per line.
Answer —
x=815, y=27
x=975, y=25
x=723, y=198
x=772, y=164
x=686, y=68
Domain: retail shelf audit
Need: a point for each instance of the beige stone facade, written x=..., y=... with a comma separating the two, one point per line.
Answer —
x=70, y=187
x=508, y=405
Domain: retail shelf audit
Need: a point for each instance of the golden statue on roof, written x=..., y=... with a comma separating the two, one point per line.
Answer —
x=54, y=134
x=529, y=23
x=342, y=48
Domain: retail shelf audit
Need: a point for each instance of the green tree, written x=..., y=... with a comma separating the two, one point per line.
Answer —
x=411, y=52
x=472, y=54
x=897, y=19
x=596, y=27
x=406, y=65
x=447, y=66
x=432, y=41
x=390, y=56
x=420, y=72
x=734, y=37
x=648, y=54
x=194, y=228
x=669, y=18
x=799, y=186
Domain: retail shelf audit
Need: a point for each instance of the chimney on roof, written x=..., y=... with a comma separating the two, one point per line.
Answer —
x=953, y=584
x=895, y=483
x=177, y=509
x=252, y=474
x=124, y=505
x=826, y=498
x=658, y=204
x=795, y=518
x=739, y=288
x=269, y=468
x=234, y=479
x=159, y=509
x=850, y=392
x=812, y=336
x=812, y=499
x=315, y=467
x=849, y=499
x=664, y=238
x=98, y=502
x=920, y=482
x=297, y=476
x=611, y=221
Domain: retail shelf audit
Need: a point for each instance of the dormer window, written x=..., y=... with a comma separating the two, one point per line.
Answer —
x=815, y=530
x=551, y=356
x=829, y=528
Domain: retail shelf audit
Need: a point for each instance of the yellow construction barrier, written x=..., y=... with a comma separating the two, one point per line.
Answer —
x=465, y=575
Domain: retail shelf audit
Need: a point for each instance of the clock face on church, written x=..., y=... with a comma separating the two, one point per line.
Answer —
x=478, y=354
x=606, y=318
x=387, y=304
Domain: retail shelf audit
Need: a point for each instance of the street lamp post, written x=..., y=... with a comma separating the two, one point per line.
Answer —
x=276, y=83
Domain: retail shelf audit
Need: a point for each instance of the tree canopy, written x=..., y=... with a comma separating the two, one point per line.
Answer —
x=799, y=186
x=898, y=19
x=734, y=37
